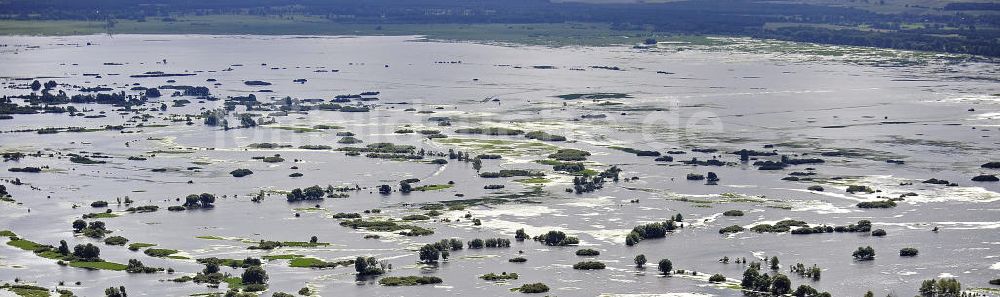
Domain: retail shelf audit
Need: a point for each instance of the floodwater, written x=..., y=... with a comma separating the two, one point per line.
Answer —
x=940, y=115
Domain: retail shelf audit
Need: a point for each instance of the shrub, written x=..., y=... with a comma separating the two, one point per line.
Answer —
x=877, y=204
x=856, y=188
x=864, y=254
x=305, y=292
x=731, y=229
x=241, y=172
x=415, y=217
x=115, y=240
x=587, y=252
x=409, y=280
x=908, y=252
x=533, y=288
x=588, y=265
x=570, y=155
x=717, y=278
x=733, y=213
x=878, y=232
x=518, y=260
x=543, y=136
x=499, y=277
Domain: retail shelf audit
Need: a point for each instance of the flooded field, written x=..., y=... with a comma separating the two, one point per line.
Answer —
x=413, y=141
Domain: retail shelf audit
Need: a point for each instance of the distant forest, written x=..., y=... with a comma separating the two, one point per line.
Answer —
x=968, y=28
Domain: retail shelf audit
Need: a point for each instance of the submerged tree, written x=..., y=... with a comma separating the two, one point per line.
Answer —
x=665, y=266
x=640, y=261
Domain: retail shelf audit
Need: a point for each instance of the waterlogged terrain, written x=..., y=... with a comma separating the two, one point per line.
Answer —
x=411, y=142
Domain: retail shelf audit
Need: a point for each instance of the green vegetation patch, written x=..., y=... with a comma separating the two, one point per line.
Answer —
x=160, y=252
x=24, y=244
x=432, y=187
x=281, y=257
x=100, y=215
x=304, y=244
x=139, y=245
x=309, y=262
x=533, y=180
x=387, y=226
x=235, y=283
x=99, y=265
x=26, y=290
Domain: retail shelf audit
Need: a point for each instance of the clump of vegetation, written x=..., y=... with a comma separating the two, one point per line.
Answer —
x=409, y=280
x=733, y=213
x=139, y=245
x=499, y=277
x=779, y=227
x=908, y=252
x=731, y=229
x=511, y=173
x=136, y=266
x=160, y=253
x=857, y=188
x=543, y=136
x=864, y=254
x=387, y=226
x=115, y=240
x=370, y=266
x=861, y=226
x=415, y=217
x=877, y=204
x=532, y=288
x=651, y=230
x=570, y=155
x=309, y=262
x=309, y=193
x=717, y=278
x=241, y=172
x=589, y=265
x=587, y=252
x=95, y=229
x=556, y=238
